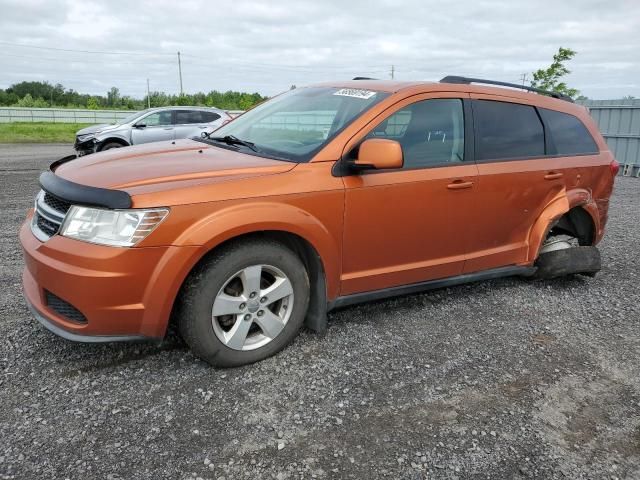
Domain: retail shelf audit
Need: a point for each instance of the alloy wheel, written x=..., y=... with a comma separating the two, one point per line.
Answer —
x=252, y=307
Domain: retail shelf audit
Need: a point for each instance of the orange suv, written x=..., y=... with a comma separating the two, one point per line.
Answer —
x=321, y=197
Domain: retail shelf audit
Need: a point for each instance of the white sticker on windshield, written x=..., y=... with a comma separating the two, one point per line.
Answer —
x=355, y=92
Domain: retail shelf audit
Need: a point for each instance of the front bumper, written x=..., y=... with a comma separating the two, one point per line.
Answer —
x=50, y=324
x=85, y=148
x=121, y=293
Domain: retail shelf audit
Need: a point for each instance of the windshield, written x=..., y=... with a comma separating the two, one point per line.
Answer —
x=294, y=126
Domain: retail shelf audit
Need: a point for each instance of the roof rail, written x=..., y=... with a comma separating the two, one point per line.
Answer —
x=363, y=78
x=467, y=80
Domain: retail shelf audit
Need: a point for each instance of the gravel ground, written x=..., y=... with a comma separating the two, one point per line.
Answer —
x=501, y=379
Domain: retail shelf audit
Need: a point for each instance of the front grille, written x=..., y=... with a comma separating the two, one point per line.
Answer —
x=63, y=308
x=56, y=203
x=48, y=216
x=50, y=228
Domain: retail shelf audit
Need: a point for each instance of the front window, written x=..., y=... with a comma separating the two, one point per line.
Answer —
x=157, y=119
x=294, y=126
x=132, y=117
x=431, y=132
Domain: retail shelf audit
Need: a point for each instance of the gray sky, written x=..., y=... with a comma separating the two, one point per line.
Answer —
x=267, y=46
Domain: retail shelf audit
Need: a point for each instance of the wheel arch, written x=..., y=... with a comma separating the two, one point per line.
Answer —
x=107, y=140
x=289, y=225
x=316, y=318
x=575, y=212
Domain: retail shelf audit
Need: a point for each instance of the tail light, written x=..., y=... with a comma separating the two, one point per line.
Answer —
x=615, y=167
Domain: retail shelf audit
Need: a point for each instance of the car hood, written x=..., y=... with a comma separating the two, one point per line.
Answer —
x=102, y=127
x=164, y=166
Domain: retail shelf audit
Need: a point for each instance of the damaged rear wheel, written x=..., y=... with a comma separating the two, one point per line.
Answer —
x=562, y=255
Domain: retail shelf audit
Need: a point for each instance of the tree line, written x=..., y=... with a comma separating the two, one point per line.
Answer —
x=45, y=94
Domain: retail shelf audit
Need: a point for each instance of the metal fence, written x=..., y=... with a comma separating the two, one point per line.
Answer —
x=61, y=115
x=619, y=123
x=68, y=115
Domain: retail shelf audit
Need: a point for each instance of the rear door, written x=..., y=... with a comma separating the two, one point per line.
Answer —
x=191, y=123
x=411, y=225
x=517, y=180
x=155, y=127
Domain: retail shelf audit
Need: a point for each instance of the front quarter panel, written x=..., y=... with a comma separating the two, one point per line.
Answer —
x=309, y=203
x=122, y=133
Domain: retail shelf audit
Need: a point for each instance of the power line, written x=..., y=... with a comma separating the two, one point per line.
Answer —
x=77, y=60
x=232, y=70
x=281, y=66
x=295, y=68
x=79, y=51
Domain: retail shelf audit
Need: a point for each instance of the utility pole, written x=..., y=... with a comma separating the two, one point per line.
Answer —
x=393, y=71
x=148, y=95
x=523, y=77
x=180, y=72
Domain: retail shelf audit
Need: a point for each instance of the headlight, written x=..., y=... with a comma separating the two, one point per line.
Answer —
x=85, y=137
x=117, y=228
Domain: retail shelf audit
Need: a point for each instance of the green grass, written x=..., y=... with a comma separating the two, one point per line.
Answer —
x=20, y=132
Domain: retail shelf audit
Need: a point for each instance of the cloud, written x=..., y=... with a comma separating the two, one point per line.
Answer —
x=267, y=46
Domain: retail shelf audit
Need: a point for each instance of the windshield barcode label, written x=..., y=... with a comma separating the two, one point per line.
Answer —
x=355, y=92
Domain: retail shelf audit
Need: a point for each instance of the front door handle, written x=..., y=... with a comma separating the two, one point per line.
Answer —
x=459, y=185
x=553, y=175
x=169, y=128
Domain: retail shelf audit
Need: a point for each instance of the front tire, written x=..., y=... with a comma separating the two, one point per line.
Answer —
x=244, y=304
x=110, y=145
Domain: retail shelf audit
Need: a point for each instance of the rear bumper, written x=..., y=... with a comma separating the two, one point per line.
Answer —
x=117, y=293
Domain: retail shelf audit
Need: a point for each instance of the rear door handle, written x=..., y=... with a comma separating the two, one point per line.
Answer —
x=552, y=175
x=169, y=128
x=459, y=185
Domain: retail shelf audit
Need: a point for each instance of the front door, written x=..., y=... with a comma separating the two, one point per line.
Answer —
x=155, y=127
x=411, y=225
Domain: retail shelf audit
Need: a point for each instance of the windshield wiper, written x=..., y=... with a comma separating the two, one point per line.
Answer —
x=233, y=140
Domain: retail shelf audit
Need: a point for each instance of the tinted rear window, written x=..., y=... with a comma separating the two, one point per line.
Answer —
x=209, y=117
x=568, y=133
x=507, y=130
x=193, y=116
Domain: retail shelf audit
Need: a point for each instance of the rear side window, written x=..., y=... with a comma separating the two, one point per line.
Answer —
x=507, y=130
x=193, y=116
x=568, y=133
x=187, y=116
x=208, y=117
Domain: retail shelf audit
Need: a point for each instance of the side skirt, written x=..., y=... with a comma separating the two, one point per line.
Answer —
x=430, y=285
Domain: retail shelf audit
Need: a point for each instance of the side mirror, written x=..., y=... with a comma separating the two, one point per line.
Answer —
x=378, y=154
x=139, y=125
